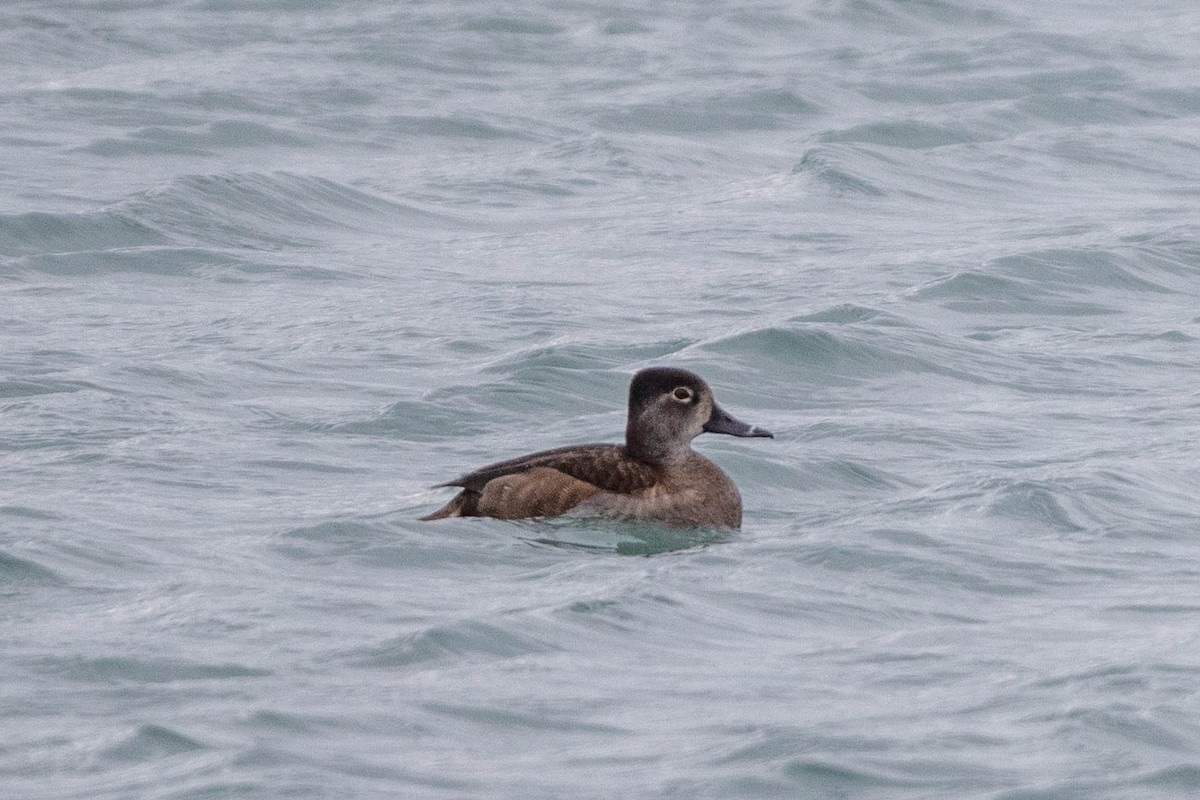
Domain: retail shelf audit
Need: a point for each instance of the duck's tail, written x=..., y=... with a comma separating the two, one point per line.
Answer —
x=464, y=504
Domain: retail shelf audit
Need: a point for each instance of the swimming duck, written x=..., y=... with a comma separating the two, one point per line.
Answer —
x=655, y=475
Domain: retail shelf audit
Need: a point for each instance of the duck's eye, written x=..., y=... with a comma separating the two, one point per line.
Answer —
x=683, y=394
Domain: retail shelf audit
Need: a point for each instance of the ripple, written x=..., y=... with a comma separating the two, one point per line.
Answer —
x=455, y=644
x=824, y=356
x=20, y=572
x=754, y=109
x=38, y=233
x=905, y=134
x=122, y=669
x=977, y=292
x=1035, y=503
x=20, y=388
x=225, y=210
x=826, y=170
x=152, y=742
x=212, y=137
x=512, y=719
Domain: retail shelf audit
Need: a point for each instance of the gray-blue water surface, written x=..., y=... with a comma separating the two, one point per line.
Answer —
x=271, y=269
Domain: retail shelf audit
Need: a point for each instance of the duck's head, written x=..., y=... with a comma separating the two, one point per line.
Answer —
x=668, y=408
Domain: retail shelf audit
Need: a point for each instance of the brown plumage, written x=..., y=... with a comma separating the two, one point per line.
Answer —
x=655, y=475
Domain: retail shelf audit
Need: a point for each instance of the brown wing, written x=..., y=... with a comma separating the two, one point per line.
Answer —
x=546, y=483
x=603, y=465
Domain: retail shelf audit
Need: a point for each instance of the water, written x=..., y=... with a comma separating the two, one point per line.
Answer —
x=272, y=269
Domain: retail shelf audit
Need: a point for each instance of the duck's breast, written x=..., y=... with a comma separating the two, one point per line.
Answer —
x=695, y=493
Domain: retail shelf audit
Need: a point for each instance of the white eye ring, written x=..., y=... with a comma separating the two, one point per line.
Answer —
x=683, y=394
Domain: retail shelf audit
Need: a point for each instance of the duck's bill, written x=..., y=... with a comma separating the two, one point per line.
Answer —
x=722, y=422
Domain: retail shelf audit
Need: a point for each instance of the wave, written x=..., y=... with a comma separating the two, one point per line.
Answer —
x=210, y=224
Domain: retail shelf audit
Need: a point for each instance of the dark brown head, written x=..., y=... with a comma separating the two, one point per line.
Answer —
x=668, y=408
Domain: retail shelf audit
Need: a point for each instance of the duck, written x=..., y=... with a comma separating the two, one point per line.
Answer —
x=654, y=476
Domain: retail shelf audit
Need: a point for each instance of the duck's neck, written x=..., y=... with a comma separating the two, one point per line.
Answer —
x=645, y=446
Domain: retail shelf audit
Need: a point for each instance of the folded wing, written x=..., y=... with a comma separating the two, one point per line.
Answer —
x=546, y=483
